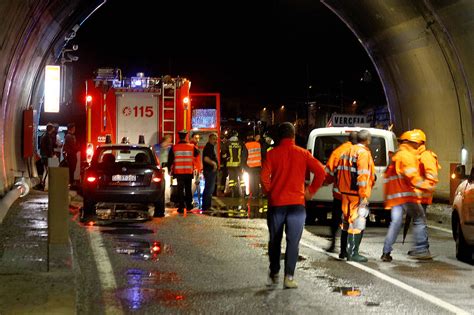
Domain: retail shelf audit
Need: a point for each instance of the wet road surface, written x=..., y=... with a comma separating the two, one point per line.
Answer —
x=216, y=262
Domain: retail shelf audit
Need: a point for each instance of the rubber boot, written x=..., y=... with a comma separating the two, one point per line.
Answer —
x=343, y=253
x=353, y=243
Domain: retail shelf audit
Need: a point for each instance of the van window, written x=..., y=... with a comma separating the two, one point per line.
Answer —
x=324, y=145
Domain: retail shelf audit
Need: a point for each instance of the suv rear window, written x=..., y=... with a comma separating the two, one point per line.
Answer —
x=121, y=154
x=324, y=145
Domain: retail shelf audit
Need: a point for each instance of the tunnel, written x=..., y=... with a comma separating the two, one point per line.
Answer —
x=421, y=49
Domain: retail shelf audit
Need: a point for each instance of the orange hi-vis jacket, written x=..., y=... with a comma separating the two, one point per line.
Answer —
x=183, y=158
x=402, y=180
x=356, y=171
x=331, y=168
x=429, y=167
x=283, y=174
x=254, y=156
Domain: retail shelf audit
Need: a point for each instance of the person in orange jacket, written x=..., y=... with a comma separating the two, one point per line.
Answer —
x=429, y=167
x=283, y=180
x=356, y=177
x=331, y=174
x=181, y=163
x=403, y=187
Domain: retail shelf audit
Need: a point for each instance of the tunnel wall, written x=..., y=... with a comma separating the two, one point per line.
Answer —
x=29, y=31
x=423, y=52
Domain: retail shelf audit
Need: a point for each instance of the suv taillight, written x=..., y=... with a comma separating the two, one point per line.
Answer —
x=157, y=176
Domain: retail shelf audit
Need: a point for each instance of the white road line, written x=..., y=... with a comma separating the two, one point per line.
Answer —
x=104, y=267
x=428, y=297
x=439, y=228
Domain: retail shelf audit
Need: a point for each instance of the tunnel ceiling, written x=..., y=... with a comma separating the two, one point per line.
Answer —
x=422, y=50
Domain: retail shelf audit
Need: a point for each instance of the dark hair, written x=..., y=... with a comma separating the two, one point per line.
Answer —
x=70, y=126
x=49, y=127
x=286, y=130
x=353, y=137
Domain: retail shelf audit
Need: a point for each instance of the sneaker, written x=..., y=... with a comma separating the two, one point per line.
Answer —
x=272, y=279
x=386, y=257
x=423, y=255
x=290, y=283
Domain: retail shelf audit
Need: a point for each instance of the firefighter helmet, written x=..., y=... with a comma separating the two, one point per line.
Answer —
x=415, y=135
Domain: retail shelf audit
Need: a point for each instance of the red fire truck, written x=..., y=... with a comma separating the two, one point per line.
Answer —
x=121, y=107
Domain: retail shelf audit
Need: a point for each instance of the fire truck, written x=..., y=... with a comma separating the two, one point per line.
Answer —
x=119, y=107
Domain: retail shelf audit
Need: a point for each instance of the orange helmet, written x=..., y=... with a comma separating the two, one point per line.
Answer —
x=415, y=135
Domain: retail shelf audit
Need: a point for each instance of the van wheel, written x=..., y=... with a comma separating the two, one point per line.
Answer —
x=464, y=252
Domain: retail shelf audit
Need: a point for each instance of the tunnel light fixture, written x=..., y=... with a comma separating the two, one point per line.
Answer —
x=463, y=155
x=52, y=84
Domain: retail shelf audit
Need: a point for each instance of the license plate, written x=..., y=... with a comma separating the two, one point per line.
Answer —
x=124, y=178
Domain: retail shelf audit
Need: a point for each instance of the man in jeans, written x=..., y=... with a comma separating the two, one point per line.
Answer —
x=403, y=188
x=283, y=178
x=209, y=171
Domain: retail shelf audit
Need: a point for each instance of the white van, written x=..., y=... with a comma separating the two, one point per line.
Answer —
x=321, y=143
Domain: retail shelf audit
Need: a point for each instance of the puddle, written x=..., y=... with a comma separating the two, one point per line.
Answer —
x=239, y=212
x=129, y=231
x=347, y=291
x=141, y=249
x=142, y=290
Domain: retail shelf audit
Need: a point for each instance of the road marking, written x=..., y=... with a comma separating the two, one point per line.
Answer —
x=428, y=297
x=439, y=228
x=105, y=270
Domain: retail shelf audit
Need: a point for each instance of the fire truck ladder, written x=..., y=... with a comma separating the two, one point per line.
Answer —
x=168, y=94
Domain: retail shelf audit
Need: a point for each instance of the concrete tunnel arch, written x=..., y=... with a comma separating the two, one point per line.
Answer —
x=422, y=50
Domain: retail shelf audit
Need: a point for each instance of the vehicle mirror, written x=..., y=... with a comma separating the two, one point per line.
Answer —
x=460, y=172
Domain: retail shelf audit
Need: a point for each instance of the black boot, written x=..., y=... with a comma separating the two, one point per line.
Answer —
x=353, y=241
x=343, y=252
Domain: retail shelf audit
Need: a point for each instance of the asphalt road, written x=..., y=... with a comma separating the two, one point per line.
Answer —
x=206, y=263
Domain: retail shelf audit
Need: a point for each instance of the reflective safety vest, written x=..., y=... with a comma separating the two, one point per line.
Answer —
x=235, y=151
x=429, y=167
x=331, y=167
x=254, y=157
x=402, y=180
x=183, y=158
x=356, y=171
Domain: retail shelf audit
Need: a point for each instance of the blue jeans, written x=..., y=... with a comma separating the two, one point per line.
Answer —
x=292, y=218
x=209, y=185
x=420, y=230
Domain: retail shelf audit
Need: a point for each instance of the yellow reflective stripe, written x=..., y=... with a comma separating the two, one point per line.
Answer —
x=388, y=179
x=183, y=167
x=346, y=168
x=360, y=172
x=410, y=170
x=401, y=195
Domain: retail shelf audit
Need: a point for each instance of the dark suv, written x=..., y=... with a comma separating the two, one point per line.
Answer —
x=123, y=182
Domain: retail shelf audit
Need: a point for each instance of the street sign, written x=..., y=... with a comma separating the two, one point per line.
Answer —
x=344, y=120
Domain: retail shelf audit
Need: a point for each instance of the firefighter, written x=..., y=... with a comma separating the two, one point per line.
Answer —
x=252, y=160
x=331, y=174
x=355, y=178
x=403, y=185
x=234, y=166
x=224, y=157
x=181, y=162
